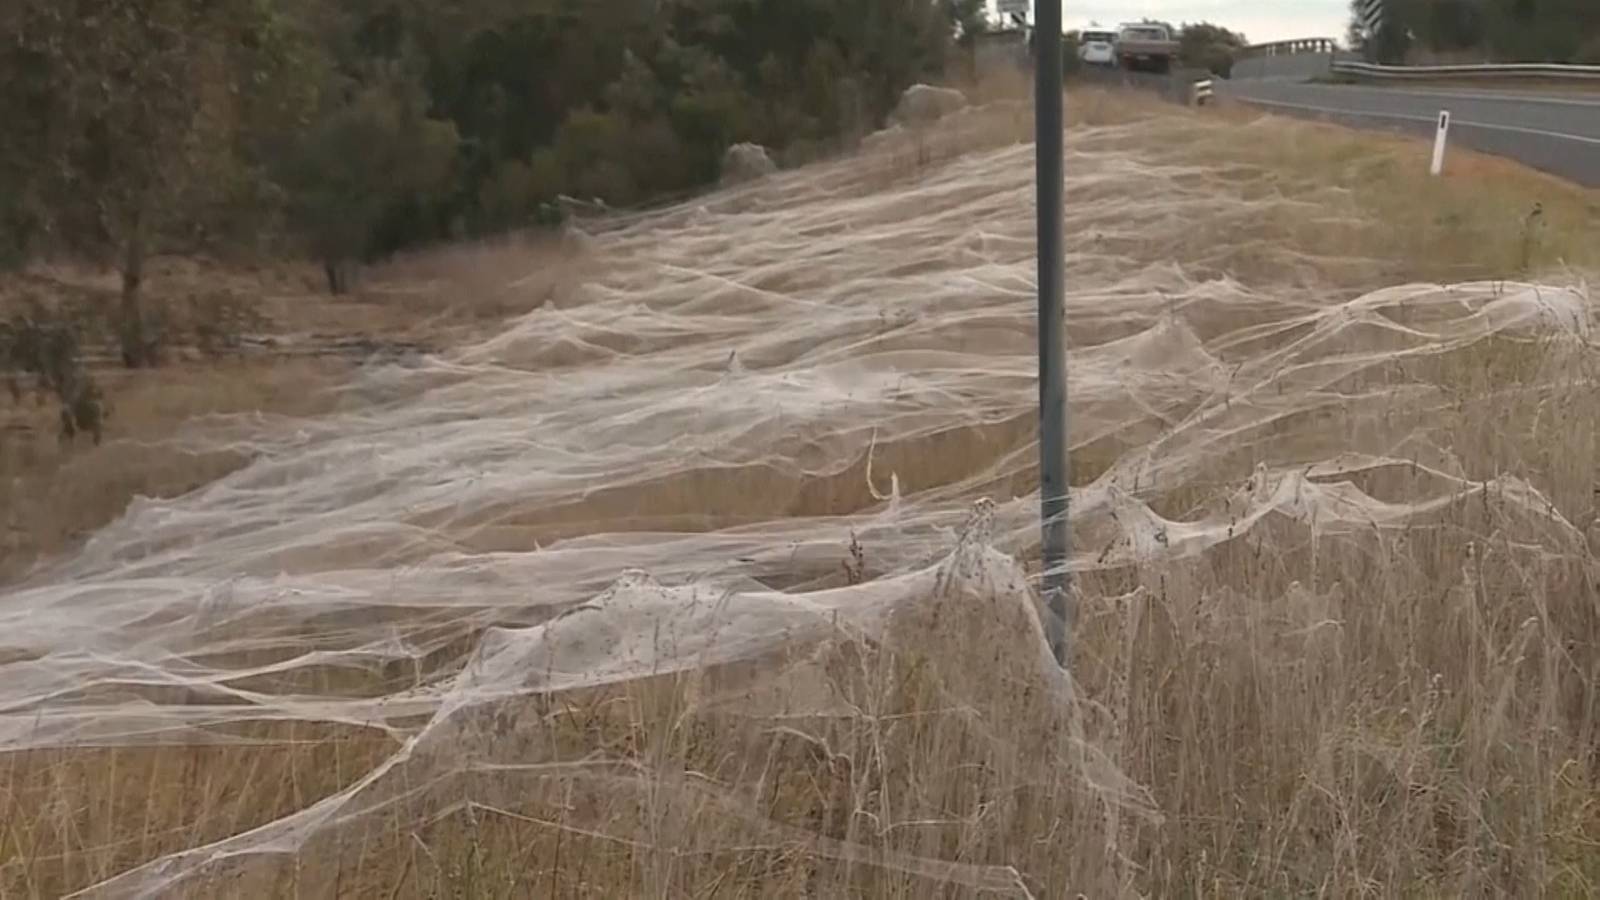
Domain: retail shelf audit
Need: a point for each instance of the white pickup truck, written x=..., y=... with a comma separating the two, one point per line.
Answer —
x=1146, y=47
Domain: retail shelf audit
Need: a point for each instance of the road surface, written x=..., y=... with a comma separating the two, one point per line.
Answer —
x=1557, y=133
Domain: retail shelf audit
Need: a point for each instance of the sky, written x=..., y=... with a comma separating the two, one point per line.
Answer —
x=1260, y=20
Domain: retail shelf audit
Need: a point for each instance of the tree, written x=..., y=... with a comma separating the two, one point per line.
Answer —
x=1504, y=30
x=1446, y=25
x=1390, y=40
x=370, y=161
x=372, y=125
x=969, y=17
x=1071, y=46
x=1203, y=45
x=1357, y=36
x=146, y=97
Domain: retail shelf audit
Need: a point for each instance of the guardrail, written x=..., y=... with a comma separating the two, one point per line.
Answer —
x=1530, y=71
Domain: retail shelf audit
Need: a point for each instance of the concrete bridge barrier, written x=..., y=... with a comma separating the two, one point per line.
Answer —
x=1299, y=60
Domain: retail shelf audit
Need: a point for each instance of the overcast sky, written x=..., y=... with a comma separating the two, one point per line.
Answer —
x=1260, y=20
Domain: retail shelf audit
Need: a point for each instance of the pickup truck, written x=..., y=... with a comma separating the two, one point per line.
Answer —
x=1146, y=47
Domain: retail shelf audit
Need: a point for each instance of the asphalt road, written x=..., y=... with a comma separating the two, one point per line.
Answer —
x=1557, y=133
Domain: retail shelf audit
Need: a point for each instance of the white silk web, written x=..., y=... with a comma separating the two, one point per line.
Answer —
x=754, y=438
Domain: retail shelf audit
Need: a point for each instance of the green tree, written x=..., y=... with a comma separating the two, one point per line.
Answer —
x=1202, y=45
x=368, y=162
x=1503, y=30
x=970, y=18
x=146, y=100
x=376, y=124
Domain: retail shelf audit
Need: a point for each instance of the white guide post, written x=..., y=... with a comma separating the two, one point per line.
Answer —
x=1439, y=142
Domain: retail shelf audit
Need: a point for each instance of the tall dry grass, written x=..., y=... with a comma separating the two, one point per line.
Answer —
x=1392, y=711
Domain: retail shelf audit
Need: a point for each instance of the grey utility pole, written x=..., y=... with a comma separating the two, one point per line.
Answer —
x=1052, y=331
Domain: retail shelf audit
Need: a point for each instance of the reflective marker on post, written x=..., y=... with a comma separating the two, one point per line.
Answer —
x=1440, y=141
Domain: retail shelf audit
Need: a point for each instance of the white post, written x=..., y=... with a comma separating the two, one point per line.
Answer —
x=1440, y=141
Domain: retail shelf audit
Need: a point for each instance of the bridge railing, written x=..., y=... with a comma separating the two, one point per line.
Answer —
x=1289, y=48
x=1303, y=59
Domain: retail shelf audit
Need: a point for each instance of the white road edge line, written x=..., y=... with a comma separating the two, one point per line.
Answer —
x=1459, y=123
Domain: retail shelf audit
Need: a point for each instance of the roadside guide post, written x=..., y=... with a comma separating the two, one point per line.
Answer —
x=1054, y=587
x=1439, y=142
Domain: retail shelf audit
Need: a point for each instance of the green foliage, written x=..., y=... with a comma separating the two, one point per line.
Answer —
x=132, y=114
x=365, y=126
x=970, y=18
x=1203, y=45
x=366, y=174
x=627, y=100
x=1497, y=30
x=45, y=348
x=142, y=101
x=1071, y=62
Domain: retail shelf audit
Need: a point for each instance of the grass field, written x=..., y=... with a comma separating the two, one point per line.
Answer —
x=694, y=559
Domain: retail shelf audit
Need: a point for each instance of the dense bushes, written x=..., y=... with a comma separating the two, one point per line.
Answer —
x=354, y=128
x=1495, y=30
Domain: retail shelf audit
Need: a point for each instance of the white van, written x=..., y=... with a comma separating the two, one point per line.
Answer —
x=1098, y=48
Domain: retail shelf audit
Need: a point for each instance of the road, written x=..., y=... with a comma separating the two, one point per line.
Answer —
x=1557, y=133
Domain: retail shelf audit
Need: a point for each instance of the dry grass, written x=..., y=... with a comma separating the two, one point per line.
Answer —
x=53, y=492
x=1407, y=713
x=1470, y=223
x=1371, y=195
x=244, y=341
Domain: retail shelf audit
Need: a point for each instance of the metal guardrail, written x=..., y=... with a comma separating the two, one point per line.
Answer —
x=1531, y=71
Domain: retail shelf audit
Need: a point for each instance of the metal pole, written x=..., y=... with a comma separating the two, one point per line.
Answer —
x=1052, y=333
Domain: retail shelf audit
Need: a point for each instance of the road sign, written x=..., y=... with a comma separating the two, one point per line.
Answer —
x=1012, y=7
